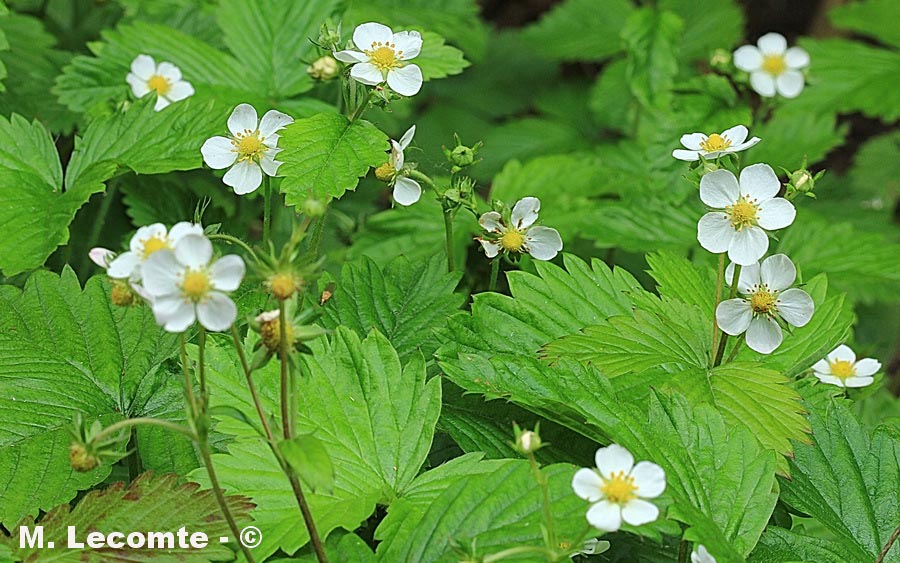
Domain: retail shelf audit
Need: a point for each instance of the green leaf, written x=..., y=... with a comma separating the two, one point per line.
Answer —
x=677, y=278
x=779, y=148
x=524, y=139
x=375, y=419
x=610, y=98
x=573, y=30
x=325, y=155
x=710, y=26
x=406, y=302
x=308, y=456
x=149, y=503
x=278, y=43
x=651, y=40
x=438, y=60
x=65, y=350
x=875, y=18
x=848, y=481
x=778, y=545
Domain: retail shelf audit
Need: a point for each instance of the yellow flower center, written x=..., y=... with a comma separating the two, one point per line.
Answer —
x=159, y=84
x=249, y=145
x=152, y=245
x=196, y=284
x=121, y=294
x=619, y=488
x=842, y=369
x=512, y=241
x=763, y=301
x=385, y=172
x=742, y=214
x=282, y=285
x=774, y=64
x=383, y=55
x=715, y=142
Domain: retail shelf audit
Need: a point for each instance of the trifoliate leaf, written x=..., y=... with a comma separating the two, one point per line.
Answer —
x=406, y=301
x=875, y=18
x=149, y=503
x=651, y=39
x=820, y=134
x=574, y=30
x=65, y=350
x=325, y=155
x=375, y=419
x=438, y=60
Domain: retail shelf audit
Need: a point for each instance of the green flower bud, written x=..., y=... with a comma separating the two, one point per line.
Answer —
x=313, y=207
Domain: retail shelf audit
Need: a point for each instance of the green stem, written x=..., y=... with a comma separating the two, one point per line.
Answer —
x=286, y=392
x=416, y=175
x=724, y=337
x=888, y=545
x=362, y=107
x=684, y=550
x=248, y=375
x=220, y=497
x=545, y=493
x=448, y=232
x=188, y=382
x=267, y=212
x=495, y=271
x=307, y=518
x=520, y=550
x=233, y=240
x=201, y=369
x=720, y=280
x=99, y=221
x=129, y=422
x=734, y=351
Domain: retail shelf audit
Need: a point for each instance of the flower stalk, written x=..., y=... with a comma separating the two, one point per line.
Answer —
x=267, y=211
x=723, y=337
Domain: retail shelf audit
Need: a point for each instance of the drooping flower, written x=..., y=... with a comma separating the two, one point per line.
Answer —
x=164, y=78
x=772, y=66
x=714, y=145
x=383, y=58
x=518, y=233
x=701, y=555
x=251, y=149
x=765, y=299
x=187, y=284
x=618, y=488
x=744, y=212
x=101, y=256
x=406, y=190
x=145, y=242
x=841, y=368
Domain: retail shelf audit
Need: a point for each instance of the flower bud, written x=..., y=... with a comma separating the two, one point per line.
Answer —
x=313, y=207
x=323, y=68
x=720, y=60
x=329, y=37
x=527, y=441
x=462, y=156
x=81, y=459
x=282, y=285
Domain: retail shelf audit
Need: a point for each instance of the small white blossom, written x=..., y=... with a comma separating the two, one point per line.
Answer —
x=406, y=190
x=187, y=285
x=700, y=555
x=145, y=242
x=164, y=79
x=618, y=488
x=101, y=256
x=841, y=368
x=744, y=212
x=520, y=234
x=766, y=299
x=772, y=66
x=251, y=149
x=709, y=147
x=383, y=58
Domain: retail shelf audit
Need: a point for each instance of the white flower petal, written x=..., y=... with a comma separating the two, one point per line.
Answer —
x=409, y=42
x=689, y=156
x=842, y=353
x=733, y=316
x=830, y=379
x=155, y=230
x=719, y=189
x=587, y=484
x=744, y=146
x=638, y=512
x=397, y=155
x=748, y=245
x=406, y=191
x=216, y=312
x=525, y=212
x=693, y=140
x=762, y=83
x=273, y=121
x=244, y=177
x=737, y=135
x=789, y=83
x=796, y=58
x=649, y=478
x=159, y=274
x=123, y=265
x=138, y=85
x=763, y=335
x=368, y=33
x=349, y=56
x=858, y=381
x=491, y=248
x=407, y=138
x=178, y=319
x=778, y=272
x=605, y=515
x=217, y=153
x=406, y=81
x=490, y=222
x=366, y=73
x=143, y=66
x=543, y=243
x=795, y=306
x=193, y=251
x=715, y=232
x=169, y=71
x=701, y=555
x=612, y=459
x=227, y=272
x=776, y=213
x=180, y=90
x=101, y=256
x=748, y=58
x=867, y=367
x=161, y=103
x=759, y=182
x=822, y=366
x=183, y=228
x=750, y=276
x=772, y=44
x=243, y=118
x=268, y=163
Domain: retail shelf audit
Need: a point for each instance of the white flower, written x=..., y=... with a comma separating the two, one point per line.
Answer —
x=618, y=488
x=164, y=79
x=187, y=285
x=700, y=555
x=766, y=298
x=145, y=242
x=382, y=58
x=101, y=256
x=406, y=190
x=730, y=140
x=746, y=212
x=542, y=243
x=841, y=368
x=250, y=150
x=772, y=66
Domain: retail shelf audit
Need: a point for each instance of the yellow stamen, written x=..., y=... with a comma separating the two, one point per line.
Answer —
x=159, y=84
x=842, y=369
x=512, y=241
x=196, y=284
x=763, y=301
x=715, y=142
x=383, y=56
x=742, y=214
x=249, y=145
x=385, y=172
x=774, y=64
x=152, y=245
x=619, y=488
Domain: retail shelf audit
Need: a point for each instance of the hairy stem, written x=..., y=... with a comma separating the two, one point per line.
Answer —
x=286, y=392
x=684, y=551
x=495, y=271
x=267, y=211
x=129, y=422
x=888, y=545
x=550, y=555
x=203, y=443
x=448, y=232
x=248, y=375
x=188, y=382
x=201, y=368
x=307, y=518
x=724, y=337
x=233, y=240
x=545, y=494
x=720, y=280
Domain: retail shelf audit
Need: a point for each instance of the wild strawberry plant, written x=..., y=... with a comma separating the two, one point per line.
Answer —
x=402, y=282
